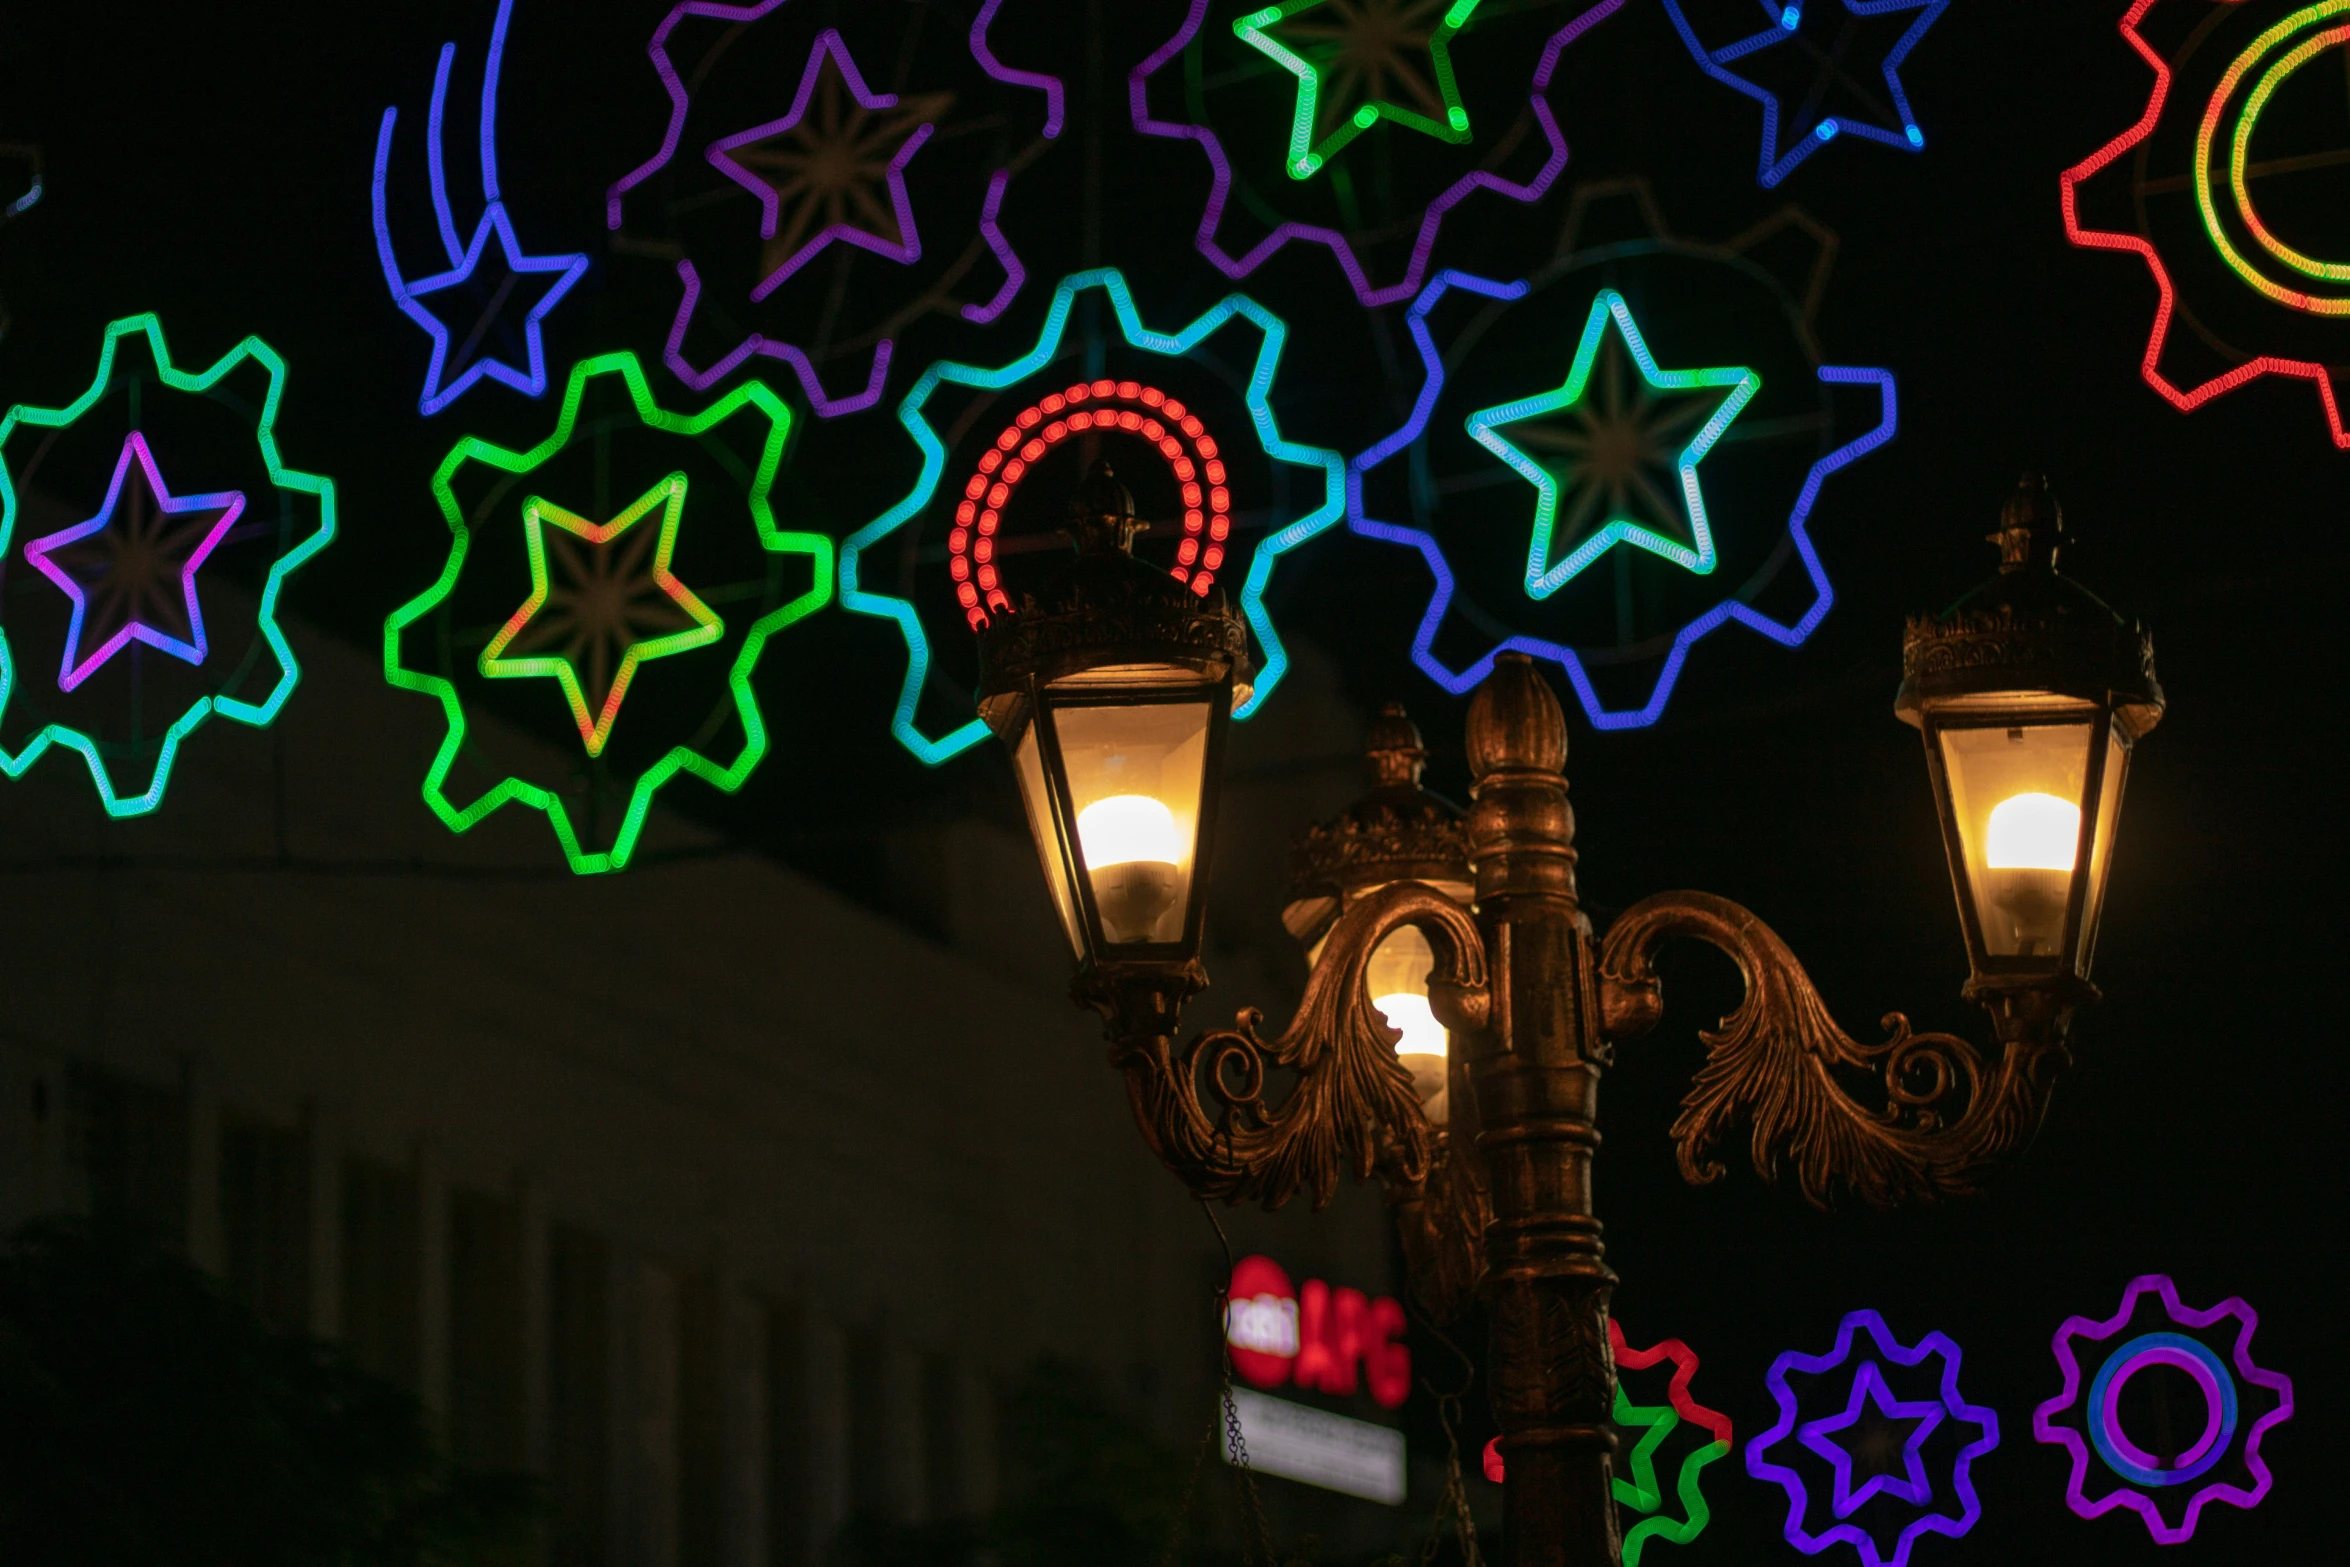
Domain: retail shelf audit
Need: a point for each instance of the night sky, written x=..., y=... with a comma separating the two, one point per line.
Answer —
x=212, y=163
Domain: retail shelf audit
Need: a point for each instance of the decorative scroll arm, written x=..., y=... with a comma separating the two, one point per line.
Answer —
x=1773, y=1063
x=1352, y=1106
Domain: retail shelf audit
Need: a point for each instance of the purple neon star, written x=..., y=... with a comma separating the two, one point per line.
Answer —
x=1869, y=1388
x=832, y=172
x=1914, y=1489
x=124, y=566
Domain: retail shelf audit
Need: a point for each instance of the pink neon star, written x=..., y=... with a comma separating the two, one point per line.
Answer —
x=830, y=165
x=125, y=568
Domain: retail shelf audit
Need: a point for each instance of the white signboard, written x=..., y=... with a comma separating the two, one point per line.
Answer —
x=1331, y=1451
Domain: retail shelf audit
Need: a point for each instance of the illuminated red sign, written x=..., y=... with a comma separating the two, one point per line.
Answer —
x=1323, y=1339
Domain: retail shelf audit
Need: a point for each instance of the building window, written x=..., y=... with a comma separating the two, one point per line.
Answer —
x=130, y=1147
x=579, y=1401
x=265, y=1220
x=485, y=1330
x=382, y=1295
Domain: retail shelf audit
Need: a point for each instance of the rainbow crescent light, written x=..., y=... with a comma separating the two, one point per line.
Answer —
x=1273, y=334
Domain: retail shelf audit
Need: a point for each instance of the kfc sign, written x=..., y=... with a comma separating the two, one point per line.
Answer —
x=1325, y=1340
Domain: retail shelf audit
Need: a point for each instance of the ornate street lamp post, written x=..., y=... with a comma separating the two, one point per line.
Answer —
x=1112, y=688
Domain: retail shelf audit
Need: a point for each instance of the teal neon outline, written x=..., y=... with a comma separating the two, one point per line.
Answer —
x=728, y=777
x=1544, y=579
x=258, y=714
x=934, y=455
x=1305, y=160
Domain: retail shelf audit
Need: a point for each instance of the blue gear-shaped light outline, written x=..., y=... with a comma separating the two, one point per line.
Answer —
x=258, y=714
x=858, y=600
x=1775, y=166
x=1460, y=682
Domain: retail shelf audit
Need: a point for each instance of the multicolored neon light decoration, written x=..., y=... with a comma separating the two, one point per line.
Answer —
x=2145, y=1476
x=1819, y=1436
x=1544, y=578
x=1272, y=332
x=595, y=728
x=27, y=156
x=841, y=170
x=444, y=383
x=1782, y=31
x=1640, y=1493
x=291, y=481
x=115, y=558
x=801, y=153
x=1137, y=409
x=2235, y=226
x=1430, y=222
x=1340, y=93
x=611, y=599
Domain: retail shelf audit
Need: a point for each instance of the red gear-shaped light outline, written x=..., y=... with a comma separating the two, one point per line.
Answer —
x=2185, y=399
x=1684, y=1404
x=1129, y=406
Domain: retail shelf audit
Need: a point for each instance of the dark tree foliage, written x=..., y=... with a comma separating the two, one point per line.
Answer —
x=146, y=1418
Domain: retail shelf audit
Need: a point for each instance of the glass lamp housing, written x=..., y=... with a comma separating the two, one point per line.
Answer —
x=1113, y=686
x=2030, y=694
x=1398, y=832
x=1115, y=781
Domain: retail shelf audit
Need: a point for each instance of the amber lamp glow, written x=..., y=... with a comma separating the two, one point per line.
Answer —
x=1113, y=686
x=2030, y=694
x=1397, y=832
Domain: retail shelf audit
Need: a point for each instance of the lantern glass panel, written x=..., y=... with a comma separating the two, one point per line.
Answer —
x=2016, y=793
x=1036, y=795
x=1135, y=776
x=2109, y=810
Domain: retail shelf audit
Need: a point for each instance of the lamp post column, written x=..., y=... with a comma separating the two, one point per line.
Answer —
x=1535, y=1074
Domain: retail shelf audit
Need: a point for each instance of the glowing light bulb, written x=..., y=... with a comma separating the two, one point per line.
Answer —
x=2037, y=832
x=1408, y=1013
x=2029, y=850
x=1132, y=848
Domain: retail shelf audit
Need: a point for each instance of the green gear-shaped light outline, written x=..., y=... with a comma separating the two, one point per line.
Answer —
x=258, y=714
x=727, y=776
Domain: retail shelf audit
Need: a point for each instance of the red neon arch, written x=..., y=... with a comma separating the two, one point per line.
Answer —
x=1191, y=455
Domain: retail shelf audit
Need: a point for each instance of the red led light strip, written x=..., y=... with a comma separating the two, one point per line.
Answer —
x=1128, y=406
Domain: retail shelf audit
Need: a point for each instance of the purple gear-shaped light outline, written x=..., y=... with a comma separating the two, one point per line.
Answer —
x=824, y=405
x=1431, y=222
x=2044, y=1428
x=1933, y=1345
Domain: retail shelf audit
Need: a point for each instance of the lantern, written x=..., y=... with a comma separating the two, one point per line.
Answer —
x=2031, y=695
x=1397, y=832
x=1113, y=687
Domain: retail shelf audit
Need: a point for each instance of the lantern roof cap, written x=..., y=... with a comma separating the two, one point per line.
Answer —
x=1106, y=617
x=2030, y=631
x=1398, y=831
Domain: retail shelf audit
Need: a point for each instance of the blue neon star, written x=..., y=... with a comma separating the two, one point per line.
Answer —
x=1784, y=27
x=1603, y=461
x=530, y=381
x=464, y=265
x=1869, y=1389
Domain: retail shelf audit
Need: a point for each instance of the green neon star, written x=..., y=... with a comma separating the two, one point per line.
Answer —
x=1642, y=1494
x=610, y=614
x=1354, y=59
x=1603, y=454
x=752, y=401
